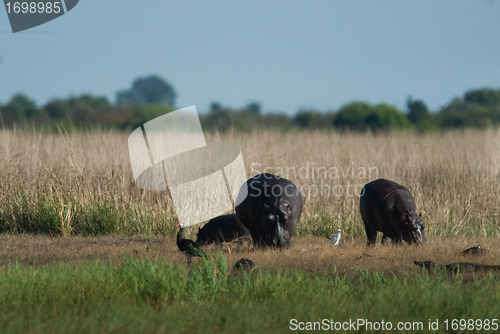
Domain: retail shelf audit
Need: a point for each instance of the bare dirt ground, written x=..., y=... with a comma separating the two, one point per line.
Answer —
x=310, y=254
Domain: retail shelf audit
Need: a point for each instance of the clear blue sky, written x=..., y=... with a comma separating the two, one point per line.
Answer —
x=285, y=54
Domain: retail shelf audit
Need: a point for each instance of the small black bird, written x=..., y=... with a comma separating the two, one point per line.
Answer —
x=188, y=247
x=244, y=264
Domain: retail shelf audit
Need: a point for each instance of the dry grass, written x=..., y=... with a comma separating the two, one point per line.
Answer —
x=310, y=254
x=455, y=176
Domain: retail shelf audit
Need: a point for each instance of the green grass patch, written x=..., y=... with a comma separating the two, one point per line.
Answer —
x=156, y=296
x=60, y=214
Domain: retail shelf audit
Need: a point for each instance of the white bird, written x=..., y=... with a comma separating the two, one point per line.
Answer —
x=335, y=239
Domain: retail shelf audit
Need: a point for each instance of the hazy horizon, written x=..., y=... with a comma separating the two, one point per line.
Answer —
x=319, y=55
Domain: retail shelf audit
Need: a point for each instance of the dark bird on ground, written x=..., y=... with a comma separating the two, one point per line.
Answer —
x=477, y=250
x=244, y=264
x=188, y=247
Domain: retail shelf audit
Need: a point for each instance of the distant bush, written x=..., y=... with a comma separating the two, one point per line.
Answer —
x=462, y=114
x=362, y=116
x=80, y=109
x=313, y=119
x=136, y=115
x=151, y=97
x=18, y=110
x=148, y=89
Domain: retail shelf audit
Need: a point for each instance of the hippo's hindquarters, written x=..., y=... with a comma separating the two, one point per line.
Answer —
x=222, y=229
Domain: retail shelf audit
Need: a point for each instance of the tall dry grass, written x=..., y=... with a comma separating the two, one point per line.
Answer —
x=82, y=182
x=455, y=176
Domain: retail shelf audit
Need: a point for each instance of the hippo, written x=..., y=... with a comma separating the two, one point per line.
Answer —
x=270, y=210
x=389, y=207
x=221, y=229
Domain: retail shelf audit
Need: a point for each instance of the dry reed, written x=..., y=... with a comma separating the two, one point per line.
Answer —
x=454, y=176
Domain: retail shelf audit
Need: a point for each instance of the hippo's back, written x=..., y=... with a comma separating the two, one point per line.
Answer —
x=381, y=199
x=222, y=229
x=379, y=189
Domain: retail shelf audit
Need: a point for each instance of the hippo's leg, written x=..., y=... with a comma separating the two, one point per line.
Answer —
x=397, y=239
x=386, y=240
x=258, y=240
x=390, y=236
x=371, y=235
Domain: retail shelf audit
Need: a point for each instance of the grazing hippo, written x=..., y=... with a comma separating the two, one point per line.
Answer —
x=220, y=229
x=271, y=210
x=390, y=208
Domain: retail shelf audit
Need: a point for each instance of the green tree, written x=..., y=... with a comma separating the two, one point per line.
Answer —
x=461, y=114
x=83, y=108
x=277, y=121
x=19, y=109
x=362, y=116
x=483, y=96
x=57, y=109
x=385, y=117
x=148, y=89
x=138, y=114
x=254, y=107
x=352, y=116
x=219, y=117
x=309, y=119
x=417, y=111
x=478, y=108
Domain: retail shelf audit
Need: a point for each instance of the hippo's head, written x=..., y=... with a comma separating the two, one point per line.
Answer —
x=274, y=223
x=201, y=237
x=413, y=228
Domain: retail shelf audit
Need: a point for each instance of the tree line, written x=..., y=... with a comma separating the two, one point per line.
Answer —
x=152, y=96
